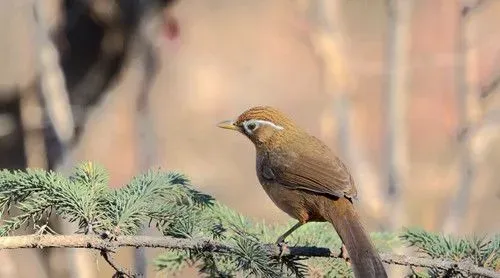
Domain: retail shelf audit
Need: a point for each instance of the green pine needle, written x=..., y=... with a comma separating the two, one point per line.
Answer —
x=478, y=250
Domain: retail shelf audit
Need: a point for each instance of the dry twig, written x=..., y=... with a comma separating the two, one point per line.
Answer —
x=119, y=272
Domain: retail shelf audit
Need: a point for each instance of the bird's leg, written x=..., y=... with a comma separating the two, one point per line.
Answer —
x=282, y=238
x=343, y=254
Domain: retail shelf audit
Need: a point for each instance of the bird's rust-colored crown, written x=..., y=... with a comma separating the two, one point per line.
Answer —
x=265, y=113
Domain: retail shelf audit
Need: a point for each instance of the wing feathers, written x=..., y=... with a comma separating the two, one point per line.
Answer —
x=320, y=172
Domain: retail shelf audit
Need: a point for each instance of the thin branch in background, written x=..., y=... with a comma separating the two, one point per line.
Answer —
x=491, y=87
x=494, y=81
x=490, y=117
x=469, y=6
x=51, y=78
x=395, y=145
x=119, y=271
x=95, y=242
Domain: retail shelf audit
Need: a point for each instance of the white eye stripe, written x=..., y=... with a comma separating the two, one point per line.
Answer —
x=257, y=123
x=275, y=126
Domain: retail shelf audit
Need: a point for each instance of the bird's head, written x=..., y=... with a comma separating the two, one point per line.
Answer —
x=263, y=125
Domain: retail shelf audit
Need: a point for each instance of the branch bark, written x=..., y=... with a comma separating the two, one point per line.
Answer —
x=95, y=242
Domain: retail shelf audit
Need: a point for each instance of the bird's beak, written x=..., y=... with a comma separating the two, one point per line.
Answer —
x=228, y=125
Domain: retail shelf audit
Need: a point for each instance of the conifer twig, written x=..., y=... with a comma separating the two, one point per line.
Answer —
x=105, y=246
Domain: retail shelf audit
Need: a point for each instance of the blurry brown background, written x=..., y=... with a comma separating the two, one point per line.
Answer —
x=303, y=57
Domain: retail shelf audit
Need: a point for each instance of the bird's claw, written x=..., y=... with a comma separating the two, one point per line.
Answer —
x=44, y=229
x=109, y=236
x=282, y=246
x=40, y=229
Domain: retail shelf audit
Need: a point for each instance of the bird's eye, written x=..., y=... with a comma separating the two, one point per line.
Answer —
x=251, y=126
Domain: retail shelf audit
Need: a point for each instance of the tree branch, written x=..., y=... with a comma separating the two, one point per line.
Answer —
x=105, y=246
x=469, y=6
x=491, y=87
x=119, y=272
x=462, y=267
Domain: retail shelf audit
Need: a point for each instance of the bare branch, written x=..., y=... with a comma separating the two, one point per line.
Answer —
x=119, y=271
x=95, y=242
x=469, y=6
x=491, y=87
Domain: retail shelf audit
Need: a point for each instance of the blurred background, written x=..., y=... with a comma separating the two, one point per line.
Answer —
x=406, y=91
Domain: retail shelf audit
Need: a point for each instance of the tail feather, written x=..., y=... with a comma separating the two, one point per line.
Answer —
x=365, y=260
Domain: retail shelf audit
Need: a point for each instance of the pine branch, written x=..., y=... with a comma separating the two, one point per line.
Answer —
x=464, y=268
x=207, y=245
x=201, y=232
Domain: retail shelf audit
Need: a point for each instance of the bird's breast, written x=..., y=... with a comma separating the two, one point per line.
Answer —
x=290, y=201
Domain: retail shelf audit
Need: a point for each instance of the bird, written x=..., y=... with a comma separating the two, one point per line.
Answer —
x=306, y=180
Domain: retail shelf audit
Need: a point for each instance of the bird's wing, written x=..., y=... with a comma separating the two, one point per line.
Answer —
x=318, y=171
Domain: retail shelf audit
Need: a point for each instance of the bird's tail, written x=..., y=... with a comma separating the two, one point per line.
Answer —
x=364, y=258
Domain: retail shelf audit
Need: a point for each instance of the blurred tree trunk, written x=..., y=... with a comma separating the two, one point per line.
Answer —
x=329, y=42
x=396, y=141
x=396, y=138
x=468, y=112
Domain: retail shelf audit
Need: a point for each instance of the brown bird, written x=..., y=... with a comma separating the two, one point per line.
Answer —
x=306, y=180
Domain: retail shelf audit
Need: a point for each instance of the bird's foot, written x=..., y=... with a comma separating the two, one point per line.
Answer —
x=282, y=246
x=40, y=229
x=108, y=235
x=43, y=230
x=344, y=255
